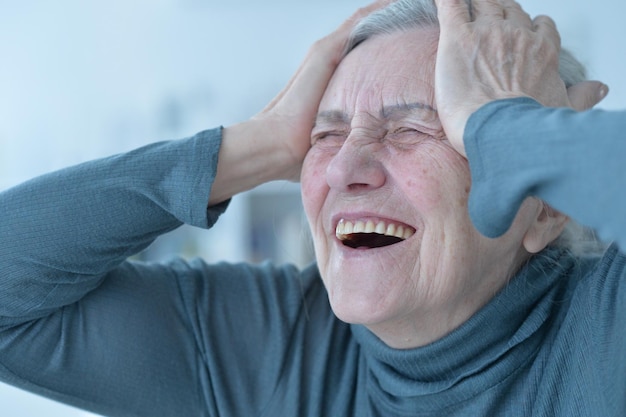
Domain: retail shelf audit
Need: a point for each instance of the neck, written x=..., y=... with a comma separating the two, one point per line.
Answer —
x=426, y=325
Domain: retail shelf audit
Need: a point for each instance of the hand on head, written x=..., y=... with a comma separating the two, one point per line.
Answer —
x=291, y=114
x=272, y=144
x=496, y=51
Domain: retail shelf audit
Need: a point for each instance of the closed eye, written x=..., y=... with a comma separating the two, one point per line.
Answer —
x=329, y=138
x=404, y=130
x=406, y=135
x=412, y=133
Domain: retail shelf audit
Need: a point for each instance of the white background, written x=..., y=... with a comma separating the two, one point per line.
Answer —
x=79, y=80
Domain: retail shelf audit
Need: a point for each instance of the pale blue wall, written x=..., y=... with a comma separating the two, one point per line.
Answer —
x=85, y=79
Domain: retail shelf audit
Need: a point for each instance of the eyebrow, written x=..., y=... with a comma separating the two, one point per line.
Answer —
x=387, y=112
x=332, y=117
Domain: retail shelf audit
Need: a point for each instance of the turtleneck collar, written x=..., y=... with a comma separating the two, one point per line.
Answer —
x=495, y=342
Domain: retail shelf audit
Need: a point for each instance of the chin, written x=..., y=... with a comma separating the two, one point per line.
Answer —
x=355, y=308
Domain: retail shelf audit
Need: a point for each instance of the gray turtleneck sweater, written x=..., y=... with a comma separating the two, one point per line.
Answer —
x=81, y=324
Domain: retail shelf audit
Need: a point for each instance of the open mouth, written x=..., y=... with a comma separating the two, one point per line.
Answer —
x=370, y=234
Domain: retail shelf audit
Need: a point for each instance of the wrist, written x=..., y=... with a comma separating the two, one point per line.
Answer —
x=249, y=156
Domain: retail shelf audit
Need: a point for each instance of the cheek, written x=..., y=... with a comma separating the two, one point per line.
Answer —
x=314, y=192
x=438, y=181
x=313, y=185
x=424, y=190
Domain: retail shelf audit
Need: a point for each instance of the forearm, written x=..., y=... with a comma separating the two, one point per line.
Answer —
x=573, y=161
x=249, y=156
x=63, y=231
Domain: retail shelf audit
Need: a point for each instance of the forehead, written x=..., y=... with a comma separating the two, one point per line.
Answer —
x=385, y=72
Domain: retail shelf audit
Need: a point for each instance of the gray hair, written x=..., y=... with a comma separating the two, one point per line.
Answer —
x=405, y=15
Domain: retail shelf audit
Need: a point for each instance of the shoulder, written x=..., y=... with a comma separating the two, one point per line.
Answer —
x=197, y=271
x=603, y=274
x=599, y=290
x=274, y=288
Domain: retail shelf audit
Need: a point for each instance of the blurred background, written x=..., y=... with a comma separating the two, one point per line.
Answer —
x=80, y=80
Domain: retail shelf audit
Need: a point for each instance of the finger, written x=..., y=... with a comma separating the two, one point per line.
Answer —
x=487, y=10
x=586, y=94
x=453, y=13
x=340, y=36
x=325, y=55
x=546, y=27
x=513, y=12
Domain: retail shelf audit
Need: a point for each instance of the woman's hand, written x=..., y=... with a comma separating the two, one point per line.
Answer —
x=272, y=144
x=292, y=113
x=495, y=51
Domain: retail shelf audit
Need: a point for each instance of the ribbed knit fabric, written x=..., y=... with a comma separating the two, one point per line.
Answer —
x=81, y=324
x=574, y=161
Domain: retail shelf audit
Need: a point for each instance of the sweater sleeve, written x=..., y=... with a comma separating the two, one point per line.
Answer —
x=572, y=160
x=78, y=322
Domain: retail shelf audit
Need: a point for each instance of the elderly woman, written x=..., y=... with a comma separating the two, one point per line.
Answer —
x=409, y=309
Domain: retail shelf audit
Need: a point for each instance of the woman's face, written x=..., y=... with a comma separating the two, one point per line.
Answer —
x=380, y=165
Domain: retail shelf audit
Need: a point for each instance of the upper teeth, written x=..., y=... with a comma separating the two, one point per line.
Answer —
x=346, y=228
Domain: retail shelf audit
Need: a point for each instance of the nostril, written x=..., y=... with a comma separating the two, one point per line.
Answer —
x=357, y=187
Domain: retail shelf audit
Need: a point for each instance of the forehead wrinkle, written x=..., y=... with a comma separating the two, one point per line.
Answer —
x=387, y=112
x=402, y=109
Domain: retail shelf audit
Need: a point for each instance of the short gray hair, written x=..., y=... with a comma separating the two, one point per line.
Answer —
x=405, y=15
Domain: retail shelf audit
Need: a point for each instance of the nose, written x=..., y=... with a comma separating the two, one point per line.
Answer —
x=355, y=167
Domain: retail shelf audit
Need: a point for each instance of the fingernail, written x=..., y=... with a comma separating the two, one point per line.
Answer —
x=603, y=91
